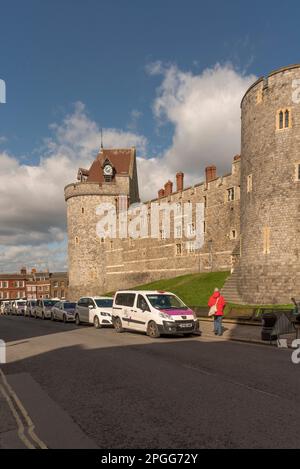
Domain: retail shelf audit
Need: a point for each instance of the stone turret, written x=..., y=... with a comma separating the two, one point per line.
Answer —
x=113, y=173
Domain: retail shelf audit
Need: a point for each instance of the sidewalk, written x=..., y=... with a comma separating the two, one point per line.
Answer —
x=233, y=330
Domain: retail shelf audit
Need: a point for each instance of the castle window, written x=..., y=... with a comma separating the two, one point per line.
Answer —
x=266, y=240
x=249, y=183
x=233, y=234
x=286, y=119
x=76, y=240
x=82, y=210
x=190, y=246
x=191, y=229
x=297, y=172
x=283, y=120
x=204, y=227
x=230, y=194
x=178, y=249
x=205, y=201
x=178, y=231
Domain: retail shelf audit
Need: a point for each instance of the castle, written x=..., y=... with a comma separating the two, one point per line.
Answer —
x=251, y=223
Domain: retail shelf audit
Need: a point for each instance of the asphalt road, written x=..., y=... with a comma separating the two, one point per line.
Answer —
x=125, y=390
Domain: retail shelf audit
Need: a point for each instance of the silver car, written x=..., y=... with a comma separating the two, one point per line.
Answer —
x=43, y=308
x=63, y=311
x=31, y=304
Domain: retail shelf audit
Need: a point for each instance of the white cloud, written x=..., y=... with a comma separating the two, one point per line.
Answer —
x=205, y=112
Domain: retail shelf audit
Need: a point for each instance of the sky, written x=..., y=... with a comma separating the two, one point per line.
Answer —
x=165, y=76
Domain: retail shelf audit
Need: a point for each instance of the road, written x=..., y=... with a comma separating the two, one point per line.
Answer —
x=83, y=387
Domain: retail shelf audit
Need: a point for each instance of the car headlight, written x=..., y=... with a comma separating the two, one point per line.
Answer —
x=105, y=314
x=165, y=316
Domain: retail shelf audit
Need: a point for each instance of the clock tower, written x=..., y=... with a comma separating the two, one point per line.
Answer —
x=112, y=174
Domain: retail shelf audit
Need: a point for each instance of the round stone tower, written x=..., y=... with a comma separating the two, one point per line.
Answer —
x=111, y=175
x=269, y=268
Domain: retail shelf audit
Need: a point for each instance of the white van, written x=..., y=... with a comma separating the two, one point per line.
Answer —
x=153, y=312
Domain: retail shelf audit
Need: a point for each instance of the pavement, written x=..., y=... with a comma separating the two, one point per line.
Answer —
x=77, y=387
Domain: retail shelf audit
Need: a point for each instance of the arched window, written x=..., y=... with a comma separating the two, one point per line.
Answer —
x=281, y=120
x=287, y=118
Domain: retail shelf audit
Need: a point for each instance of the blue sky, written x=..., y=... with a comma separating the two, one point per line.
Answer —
x=54, y=53
x=140, y=69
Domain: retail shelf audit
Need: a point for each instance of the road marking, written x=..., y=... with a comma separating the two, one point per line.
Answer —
x=17, y=418
x=10, y=395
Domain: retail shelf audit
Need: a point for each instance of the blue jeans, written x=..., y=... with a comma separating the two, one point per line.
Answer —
x=218, y=325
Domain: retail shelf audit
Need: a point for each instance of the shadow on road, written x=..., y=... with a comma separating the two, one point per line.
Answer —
x=172, y=393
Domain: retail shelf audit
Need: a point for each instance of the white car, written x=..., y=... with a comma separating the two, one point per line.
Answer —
x=153, y=312
x=19, y=307
x=43, y=308
x=63, y=311
x=95, y=310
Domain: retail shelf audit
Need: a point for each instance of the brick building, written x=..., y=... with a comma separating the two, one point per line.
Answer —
x=13, y=286
x=33, y=285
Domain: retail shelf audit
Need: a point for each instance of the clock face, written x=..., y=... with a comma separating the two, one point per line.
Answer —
x=108, y=170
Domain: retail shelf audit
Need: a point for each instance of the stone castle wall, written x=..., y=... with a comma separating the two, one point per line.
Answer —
x=269, y=265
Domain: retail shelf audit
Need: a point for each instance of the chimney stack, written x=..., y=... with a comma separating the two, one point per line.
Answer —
x=161, y=193
x=23, y=271
x=179, y=182
x=210, y=173
x=168, y=188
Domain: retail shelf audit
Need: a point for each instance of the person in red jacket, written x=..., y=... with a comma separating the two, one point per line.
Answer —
x=219, y=300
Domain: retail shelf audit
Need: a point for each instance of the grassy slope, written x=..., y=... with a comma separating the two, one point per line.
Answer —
x=194, y=289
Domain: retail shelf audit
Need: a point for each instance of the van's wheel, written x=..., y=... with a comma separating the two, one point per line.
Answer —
x=152, y=330
x=64, y=318
x=43, y=316
x=118, y=325
x=77, y=320
x=97, y=322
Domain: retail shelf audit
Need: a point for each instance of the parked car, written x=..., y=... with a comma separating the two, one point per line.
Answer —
x=63, y=311
x=7, y=307
x=30, y=307
x=43, y=308
x=19, y=307
x=95, y=310
x=153, y=312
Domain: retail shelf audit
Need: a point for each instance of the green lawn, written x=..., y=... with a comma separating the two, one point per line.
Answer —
x=193, y=289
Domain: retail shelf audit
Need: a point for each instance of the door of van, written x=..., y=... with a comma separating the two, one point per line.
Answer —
x=142, y=312
x=129, y=311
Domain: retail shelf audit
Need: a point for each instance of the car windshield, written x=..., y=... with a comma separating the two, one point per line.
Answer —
x=104, y=303
x=50, y=302
x=69, y=305
x=165, y=301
